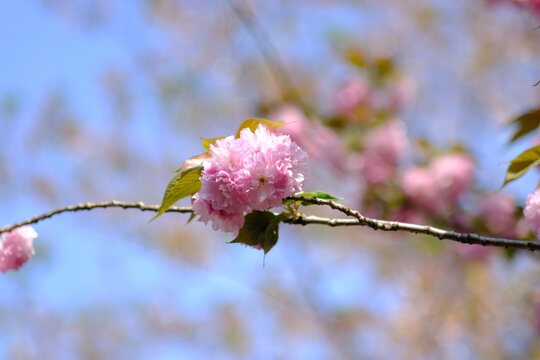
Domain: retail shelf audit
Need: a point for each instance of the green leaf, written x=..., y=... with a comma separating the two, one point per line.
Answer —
x=271, y=233
x=521, y=164
x=183, y=184
x=527, y=122
x=254, y=123
x=260, y=228
x=313, y=194
x=206, y=142
x=319, y=195
x=191, y=217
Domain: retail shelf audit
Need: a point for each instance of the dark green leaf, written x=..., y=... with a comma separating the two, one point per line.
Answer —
x=260, y=228
x=254, y=123
x=523, y=163
x=527, y=123
x=183, y=184
x=206, y=142
x=271, y=233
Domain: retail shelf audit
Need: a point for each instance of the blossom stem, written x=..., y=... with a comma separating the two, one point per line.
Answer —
x=357, y=219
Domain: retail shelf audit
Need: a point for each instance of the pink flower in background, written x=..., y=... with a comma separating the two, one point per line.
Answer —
x=498, y=213
x=438, y=187
x=532, y=211
x=473, y=252
x=385, y=145
x=16, y=248
x=373, y=169
x=400, y=94
x=320, y=142
x=536, y=315
x=388, y=141
x=354, y=92
x=454, y=174
x=254, y=172
x=533, y=5
x=421, y=187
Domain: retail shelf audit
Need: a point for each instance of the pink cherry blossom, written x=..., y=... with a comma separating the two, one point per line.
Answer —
x=437, y=188
x=254, y=172
x=421, y=187
x=388, y=141
x=320, y=142
x=356, y=91
x=400, y=94
x=498, y=210
x=16, y=248
x=473, y=252
x=532, y=211
x=385, y=145
x=454, y=174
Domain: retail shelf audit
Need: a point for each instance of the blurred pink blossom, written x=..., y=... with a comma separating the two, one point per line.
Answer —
x=437, y=188
x=16, y=248
x=320, y=142
x=408, y=215
x=388, y=141
x=498, y=210
x=454, y=174
x=421, y=187
x=374, y=170
x=473, y=252
x=354, y=92
x=254, y=172
x=532, y=211
x=533, y=5
x=536, y=315
x=385, y=145
x=400, y=94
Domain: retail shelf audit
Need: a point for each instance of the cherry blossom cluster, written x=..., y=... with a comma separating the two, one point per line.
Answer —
x=252, y=172
x=16, y=248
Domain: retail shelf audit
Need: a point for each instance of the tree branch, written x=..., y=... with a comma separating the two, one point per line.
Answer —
x=93, y=205
x=302, y=219
x=384, y=225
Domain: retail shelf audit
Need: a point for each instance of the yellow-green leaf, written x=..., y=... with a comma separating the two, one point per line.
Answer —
x=183, y=184
x=527, y=123
x=313, y=194
x=206, y=142
x=523, y=163
x=254, y=123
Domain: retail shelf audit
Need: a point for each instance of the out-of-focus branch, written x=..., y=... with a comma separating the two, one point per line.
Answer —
x=270, y=55
x=302, y=219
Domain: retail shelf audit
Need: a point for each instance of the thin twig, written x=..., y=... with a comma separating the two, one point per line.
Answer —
x=270, y=55
x=302, y=219
x=93, y=205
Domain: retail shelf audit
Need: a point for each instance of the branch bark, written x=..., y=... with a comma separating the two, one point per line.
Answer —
x=357, y=219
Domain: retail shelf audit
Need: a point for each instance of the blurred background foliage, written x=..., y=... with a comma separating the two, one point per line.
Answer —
x=103, y=100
